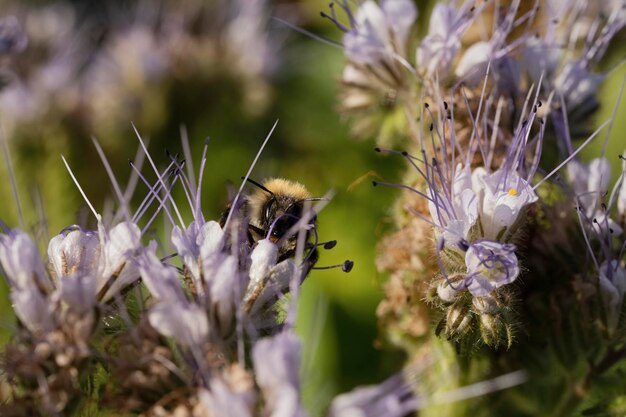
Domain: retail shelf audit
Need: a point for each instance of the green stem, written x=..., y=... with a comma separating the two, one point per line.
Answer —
x=569, y=401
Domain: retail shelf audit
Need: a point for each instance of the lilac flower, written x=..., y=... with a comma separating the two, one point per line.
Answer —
x=577, y=83
x=439, y=48
x=21, y=262
x=612, y=283
x=73, y=252
x=184, y=322
x=590, y=183
x=490, y=265
x=161, y=279
x=198, y=245
x=494, y=52
x=33, y=309
x=277, y=364
x=228, y=398
x=379, y=33
x=456, y=213
x=78, y=292
x=540, y=58
x=115, y=269
x=598, y=226
x=268, y=280
x=621, y=190
x=13, y=40
x=394, y=397
x=502, y=195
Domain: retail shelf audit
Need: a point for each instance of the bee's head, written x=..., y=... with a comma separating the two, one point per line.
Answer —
x=281, y=213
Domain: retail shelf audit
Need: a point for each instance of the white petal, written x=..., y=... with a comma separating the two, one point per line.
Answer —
x=612, y=290
x=79, y=292
x=621, y=199
x=187, y=324
x=225, y=287
x=472, y=67
x=262, y=259
x=187, y=248
x=162, y=280
x=210, y=239
x=500, y=207
x=400, y=16
x=118, y=248
x=221, y=401
x=32, y=309
x=76, y=252
x=369, y=40
x=277, y=365
x=490, y=265
x=539, y=57
x=271, y=288
x=21, y=262
x=119, y=245
x=577, y=84
x=599, y=175
x=392, y=398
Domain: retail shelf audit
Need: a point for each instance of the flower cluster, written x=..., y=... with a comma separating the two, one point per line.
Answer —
x=486, y=112
x=109, y=319
x=126, y=71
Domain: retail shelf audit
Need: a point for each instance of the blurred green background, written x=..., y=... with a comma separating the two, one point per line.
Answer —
x=206, y=86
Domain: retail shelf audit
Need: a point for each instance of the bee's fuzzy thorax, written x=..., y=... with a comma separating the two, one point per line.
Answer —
x=286, y=187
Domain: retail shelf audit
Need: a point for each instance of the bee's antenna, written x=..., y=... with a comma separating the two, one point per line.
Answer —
x=250, y=180
x=316, y=199
x=345, y=267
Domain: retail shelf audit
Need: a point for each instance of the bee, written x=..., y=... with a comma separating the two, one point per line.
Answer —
x=273, y=209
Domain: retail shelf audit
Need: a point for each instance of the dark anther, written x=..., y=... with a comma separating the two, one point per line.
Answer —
x=374, y=183
x=431, y=127
x=330, y=244
x=405, y=153
x=426, y=105
x=347, y=266
x=445, y=105
x=539, y=103
x=130, y=162
x=377, y=149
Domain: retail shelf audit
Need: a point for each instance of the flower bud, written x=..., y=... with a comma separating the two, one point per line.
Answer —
x=485, y=305
x=458, y=319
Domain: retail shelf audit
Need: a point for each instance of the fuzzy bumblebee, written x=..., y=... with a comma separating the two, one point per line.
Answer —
x=273, y=210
